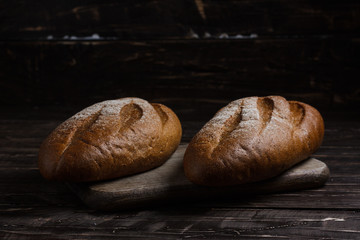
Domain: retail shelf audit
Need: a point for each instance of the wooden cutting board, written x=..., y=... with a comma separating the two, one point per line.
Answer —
x=168, y=183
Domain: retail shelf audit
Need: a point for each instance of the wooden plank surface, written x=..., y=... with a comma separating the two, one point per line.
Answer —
x=174, y=19
x=31, y=207
x=194, y=56
x=167, y=183
x=180, y=223
x=320, y=72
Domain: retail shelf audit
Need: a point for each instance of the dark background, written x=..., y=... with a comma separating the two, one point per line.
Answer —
x=194, y=56
x=58, y=57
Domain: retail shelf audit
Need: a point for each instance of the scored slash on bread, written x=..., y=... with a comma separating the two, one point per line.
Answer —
x=110, y=139
x=252, y=139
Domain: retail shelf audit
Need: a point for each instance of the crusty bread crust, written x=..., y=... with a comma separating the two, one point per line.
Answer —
x=110, y=139
x=252, y=139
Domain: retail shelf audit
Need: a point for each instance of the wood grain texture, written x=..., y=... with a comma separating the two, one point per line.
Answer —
x=31, y=207
x=176, y=19
x=68, y=55
x=184, y=223
x=319, y=72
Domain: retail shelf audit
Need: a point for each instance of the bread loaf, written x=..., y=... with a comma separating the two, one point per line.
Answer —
x=252, y=139
x=110, y=139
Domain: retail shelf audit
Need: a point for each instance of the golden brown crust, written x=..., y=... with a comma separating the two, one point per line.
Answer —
x=110, y=139
x=253, y=139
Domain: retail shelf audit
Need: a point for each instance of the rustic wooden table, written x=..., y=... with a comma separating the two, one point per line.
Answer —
x=57, y=57
x=33, y=208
